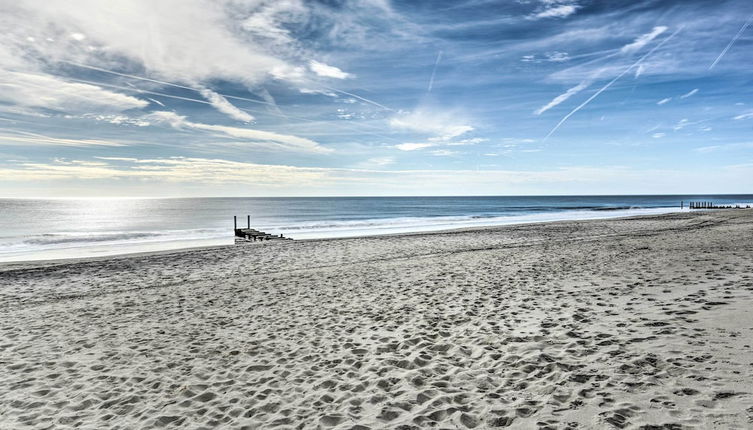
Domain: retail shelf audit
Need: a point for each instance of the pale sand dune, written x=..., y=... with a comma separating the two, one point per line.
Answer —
x=634, y=323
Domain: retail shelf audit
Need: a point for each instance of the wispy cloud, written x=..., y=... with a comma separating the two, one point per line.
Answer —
x=414, y=146
x=221, y=104
x=270, y=178
x=558, y=11
x=50, y=92
x=727, y=147
x=443, y=153
x=664, y=101
x=442, y=126
x=643, y=40
x=39, y=139
x=375, y=163
x=327, y=71
x=562, y=97
x=256, y=138
x=681, y=124
x=689, y=93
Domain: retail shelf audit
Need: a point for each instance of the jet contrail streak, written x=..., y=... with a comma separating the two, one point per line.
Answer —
x=434, y=71
x=732, y=42
x=360, y=98
x=609, y=84
x=142, y=78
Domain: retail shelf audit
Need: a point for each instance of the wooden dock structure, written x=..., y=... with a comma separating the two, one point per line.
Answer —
x=251, y=235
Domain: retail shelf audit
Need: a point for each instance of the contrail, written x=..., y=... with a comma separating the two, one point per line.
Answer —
x=434, y=72
x=138, y=90
x=609, y=84
x=731, y=42
x=360, y=98
x=142, y=78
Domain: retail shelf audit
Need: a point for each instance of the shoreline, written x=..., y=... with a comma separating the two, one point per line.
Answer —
x=25, y=262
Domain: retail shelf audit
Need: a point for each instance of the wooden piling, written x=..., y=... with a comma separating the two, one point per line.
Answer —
x=235, y=222
x=248, y=221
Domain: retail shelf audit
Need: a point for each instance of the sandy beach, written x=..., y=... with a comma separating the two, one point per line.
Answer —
x=625, y=323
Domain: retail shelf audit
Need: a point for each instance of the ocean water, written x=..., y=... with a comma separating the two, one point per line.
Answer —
x=63, y=228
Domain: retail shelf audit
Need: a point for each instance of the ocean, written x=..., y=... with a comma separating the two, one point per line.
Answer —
x=67, y=228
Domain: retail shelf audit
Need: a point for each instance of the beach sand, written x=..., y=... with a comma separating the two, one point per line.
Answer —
x=628, y=323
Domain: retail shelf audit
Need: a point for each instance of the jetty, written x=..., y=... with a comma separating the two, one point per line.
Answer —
x=712, y=205
x=249, y=234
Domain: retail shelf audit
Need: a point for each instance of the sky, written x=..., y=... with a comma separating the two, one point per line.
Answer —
x=181, y=98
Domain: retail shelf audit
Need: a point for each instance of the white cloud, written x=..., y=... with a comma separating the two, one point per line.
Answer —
x=327, y=71
x=464, y=142
x=443, y=153
x=38, y=139
x=747, y=115
x=557, y=57
x=663, y=101
x=730, y=146
x=639, y=71
x=438, y=142
x=117, y=119
x=273, y=179
x=643, y=40
x=49, y=92
x=375, y=163
x=658, y=135
x=443, y=126
x=560, y=11
x=175, y=169
x=414, y=146
x=681, y=124
x=562, y=97
x=692, y=92
x=256, y=138
x=221, y=104
x=188, y=41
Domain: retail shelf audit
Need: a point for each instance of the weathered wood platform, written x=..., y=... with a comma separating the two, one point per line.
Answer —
x=253, y=235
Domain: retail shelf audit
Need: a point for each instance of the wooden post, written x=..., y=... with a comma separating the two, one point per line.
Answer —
x=248, y=221
x=681, y=204
x=235, y=223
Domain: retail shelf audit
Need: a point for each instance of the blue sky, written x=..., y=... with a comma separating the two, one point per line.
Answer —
x=375, y=97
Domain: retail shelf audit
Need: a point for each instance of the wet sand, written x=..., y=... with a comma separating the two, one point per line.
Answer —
x=629, y=323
